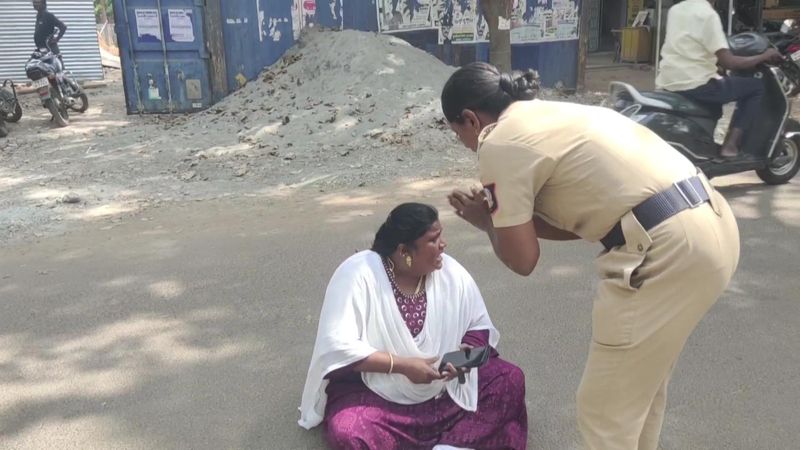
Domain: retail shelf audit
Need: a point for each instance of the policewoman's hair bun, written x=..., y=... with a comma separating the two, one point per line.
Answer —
x=481, y=87
x=520, y=85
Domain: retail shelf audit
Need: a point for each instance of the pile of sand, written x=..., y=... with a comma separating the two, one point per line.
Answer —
x=350, y=106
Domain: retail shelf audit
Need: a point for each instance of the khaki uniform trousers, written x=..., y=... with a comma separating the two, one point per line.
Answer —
x=653, y=292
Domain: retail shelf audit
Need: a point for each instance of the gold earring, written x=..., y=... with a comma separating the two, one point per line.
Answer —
x=408, y=260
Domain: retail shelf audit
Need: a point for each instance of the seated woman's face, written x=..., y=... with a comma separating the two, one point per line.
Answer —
x=428, y=249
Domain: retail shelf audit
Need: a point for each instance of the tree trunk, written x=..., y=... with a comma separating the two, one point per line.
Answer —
x=499, y=40
x=583, y=43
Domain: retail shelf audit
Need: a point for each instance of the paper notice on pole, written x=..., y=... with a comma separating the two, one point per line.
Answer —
x=147, y=24
x=180, y=25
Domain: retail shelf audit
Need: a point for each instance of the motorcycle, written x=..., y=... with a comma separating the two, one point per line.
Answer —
x=787, y=41
x=772, y=148
x=10, y=109
x=57, y=90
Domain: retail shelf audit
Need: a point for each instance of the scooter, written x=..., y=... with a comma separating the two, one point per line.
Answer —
x=771, y=147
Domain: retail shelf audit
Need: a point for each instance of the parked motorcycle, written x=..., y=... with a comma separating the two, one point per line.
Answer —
x=10, y=109
x=57, y=90
x=771, y=147
x=787, y=41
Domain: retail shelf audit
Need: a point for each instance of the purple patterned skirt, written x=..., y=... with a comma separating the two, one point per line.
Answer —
x=358, y=419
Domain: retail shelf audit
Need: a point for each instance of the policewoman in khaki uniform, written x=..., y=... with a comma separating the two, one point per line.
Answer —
x=670, y=243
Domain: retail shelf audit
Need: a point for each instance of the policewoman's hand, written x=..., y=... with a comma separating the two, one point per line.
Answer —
x=418, y=370
x=472, y=207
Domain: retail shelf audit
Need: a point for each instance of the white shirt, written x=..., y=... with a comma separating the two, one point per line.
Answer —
x=694, y=36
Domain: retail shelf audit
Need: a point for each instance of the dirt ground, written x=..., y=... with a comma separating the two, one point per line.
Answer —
x=640, y=77
x=317, y=121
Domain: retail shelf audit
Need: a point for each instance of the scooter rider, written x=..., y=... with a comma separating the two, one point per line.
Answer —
x=694, y=46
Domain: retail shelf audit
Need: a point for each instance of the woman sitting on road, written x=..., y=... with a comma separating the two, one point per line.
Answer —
x=389, y=315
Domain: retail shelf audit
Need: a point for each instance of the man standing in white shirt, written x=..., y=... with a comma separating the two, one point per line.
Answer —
x=695, y=44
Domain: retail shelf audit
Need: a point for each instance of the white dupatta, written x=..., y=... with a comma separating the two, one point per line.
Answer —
x=360, y=317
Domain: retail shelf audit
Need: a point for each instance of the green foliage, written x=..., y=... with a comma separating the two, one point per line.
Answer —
x=109, y=7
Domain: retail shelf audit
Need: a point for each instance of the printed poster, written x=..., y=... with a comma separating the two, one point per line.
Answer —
x=180, y=25
x=309, y=10
x=544, y=20
x=405, y=15
x=148, y=26
x=461, y=22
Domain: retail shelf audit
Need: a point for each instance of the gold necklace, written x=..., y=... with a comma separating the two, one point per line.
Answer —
x=419, y=285
x=393, y=277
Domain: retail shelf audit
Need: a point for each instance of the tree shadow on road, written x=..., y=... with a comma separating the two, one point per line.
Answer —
x=195, y=329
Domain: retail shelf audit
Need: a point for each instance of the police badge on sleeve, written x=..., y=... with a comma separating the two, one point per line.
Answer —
x=490, y=197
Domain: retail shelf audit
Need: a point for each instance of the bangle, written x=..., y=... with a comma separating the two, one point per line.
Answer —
x=391, y=363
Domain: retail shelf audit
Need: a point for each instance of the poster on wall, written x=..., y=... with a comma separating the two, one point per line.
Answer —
x=148, y=27
x=457, y=20
x=180, y=25
x=309, y=10
x=405, y=15
x=544, y=20
x=463, y=22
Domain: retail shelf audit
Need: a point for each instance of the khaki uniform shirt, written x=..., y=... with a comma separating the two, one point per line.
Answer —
x=694, y=36
x=580, y=168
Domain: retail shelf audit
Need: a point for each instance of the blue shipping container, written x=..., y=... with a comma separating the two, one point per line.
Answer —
x=256, y=35
x=163, y=54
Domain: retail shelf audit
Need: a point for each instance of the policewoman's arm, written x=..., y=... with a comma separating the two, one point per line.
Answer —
x=516, y=246
x=512, y=174
x=522, y=255
x=546, y=231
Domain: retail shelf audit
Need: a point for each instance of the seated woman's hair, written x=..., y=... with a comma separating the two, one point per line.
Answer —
x=405, y=224
x=481, y=87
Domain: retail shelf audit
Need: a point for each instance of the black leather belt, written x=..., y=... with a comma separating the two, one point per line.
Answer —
x=685, y=194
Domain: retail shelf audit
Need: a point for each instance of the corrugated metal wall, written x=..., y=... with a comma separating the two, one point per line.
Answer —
x=79, y=45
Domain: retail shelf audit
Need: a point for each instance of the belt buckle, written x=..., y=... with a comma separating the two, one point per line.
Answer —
x=695, y=199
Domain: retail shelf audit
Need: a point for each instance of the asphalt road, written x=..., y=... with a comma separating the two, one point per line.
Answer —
x=191, y=326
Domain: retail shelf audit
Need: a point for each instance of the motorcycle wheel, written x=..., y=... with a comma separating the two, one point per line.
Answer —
x=61, y=118
x=84, y=103
x=789, y=151
x=16, y=115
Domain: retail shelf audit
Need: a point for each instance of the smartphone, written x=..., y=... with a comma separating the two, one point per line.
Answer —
x=465, y=359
